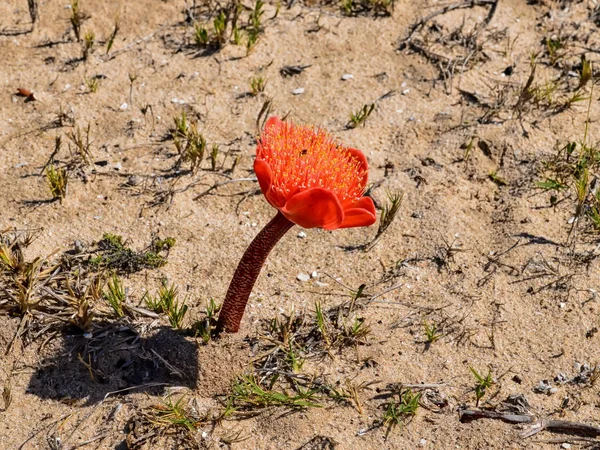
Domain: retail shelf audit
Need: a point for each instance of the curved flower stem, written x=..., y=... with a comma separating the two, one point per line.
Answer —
x=247, y=271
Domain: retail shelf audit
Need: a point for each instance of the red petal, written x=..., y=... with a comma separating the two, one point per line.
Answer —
x=364, y=165
x=273, y=122
x=360, y=156
x=362, y=214
x=314, y=208
x=264, y=174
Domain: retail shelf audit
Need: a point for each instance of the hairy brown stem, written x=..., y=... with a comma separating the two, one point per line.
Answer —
x=247, y=271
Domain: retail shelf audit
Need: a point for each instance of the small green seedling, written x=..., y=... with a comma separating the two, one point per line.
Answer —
x=201, y=36
x=174, y=414
x=256, y=16
x=176, y=313
x=115, y=296
x=113, y=35
x=92, y=84
x=348, y=7
x=322, y=322
x=193, y=152
x=236, y=35
x=220, y=25
x=550, y=184
x=294, y=360
x=76, y=19
x=482, y=384
x=251, y=41
x=82, y=143
x=431, y=332
x=214, y=153
x=257, y=85
x=206, y=326
x=399, y=412
x=249, y=394
x=552, y=47
x=586, y=72
x=360, y=117
x=355, y=333
x=89, y=40
x=164, y=300
x=181, y=126
x=493, y=175
x=58, y=179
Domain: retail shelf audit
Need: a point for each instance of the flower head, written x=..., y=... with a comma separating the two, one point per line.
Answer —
x=311, y=178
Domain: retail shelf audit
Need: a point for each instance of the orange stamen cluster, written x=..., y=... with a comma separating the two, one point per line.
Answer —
x=303, y=157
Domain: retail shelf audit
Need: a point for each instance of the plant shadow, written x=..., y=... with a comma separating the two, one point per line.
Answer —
x=114, y=357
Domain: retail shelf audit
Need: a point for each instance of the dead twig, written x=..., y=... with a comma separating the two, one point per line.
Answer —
x=558, y=426
x=221, y=183
x=469, y=4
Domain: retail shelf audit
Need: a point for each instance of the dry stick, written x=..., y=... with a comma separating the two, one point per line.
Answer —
x=559, y=426
x=133, y=44
x=89, y=441
x=470, y=4
x=221, y=183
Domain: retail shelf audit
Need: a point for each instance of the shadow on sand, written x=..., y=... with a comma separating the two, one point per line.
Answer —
x=114, y=357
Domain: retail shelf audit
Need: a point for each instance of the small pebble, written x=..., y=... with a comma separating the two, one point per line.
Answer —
x=347, y=76
x=133, y=180
x=405, y=91
x=298, y=91
x=204, y=435
x=302, y=235
x=23, y=164
x=123, y=107
x=87, y=335
x=571, y=220
x=565, y=445
x=423, y=442
x=315, y=274
x=303, y=277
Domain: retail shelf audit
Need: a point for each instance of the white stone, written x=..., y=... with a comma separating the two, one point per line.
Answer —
x=123, y=106
x=302, y=235
x=347, y=76
x=303, y=277
x=298, y=91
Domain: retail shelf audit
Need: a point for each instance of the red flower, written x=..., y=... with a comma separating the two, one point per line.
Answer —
x=313, y=180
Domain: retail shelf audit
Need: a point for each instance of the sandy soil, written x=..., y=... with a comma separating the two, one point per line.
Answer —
x=476, y=249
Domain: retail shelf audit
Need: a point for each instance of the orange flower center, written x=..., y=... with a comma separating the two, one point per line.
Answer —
x=303, y=157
